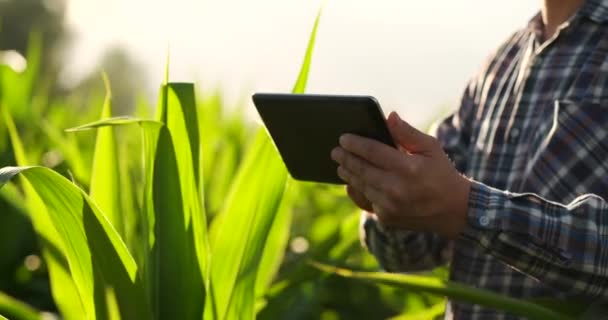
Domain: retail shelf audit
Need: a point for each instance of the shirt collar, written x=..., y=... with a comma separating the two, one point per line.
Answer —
x=596, y=10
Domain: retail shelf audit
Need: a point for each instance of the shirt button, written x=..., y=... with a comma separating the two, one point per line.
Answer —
x=484, y=221
x=513, y=135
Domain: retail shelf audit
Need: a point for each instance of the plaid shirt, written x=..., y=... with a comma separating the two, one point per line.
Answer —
x=532, y=133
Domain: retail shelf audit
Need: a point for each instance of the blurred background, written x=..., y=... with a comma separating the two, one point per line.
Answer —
x=414, y=56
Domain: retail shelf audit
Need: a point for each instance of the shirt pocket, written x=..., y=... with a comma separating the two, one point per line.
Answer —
x=571, y=155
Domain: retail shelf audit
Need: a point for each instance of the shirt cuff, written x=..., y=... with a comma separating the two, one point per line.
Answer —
x=485, y=216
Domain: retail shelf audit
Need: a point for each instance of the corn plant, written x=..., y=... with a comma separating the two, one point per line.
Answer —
x=170, y=227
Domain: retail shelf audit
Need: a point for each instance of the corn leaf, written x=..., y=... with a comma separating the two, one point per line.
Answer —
x=276, y=244
x=245, y=226
x=62, y=214
x=179, y=253
x=176, y=284
x=452, y=290
x=181, y=118
x=105, y=181
x=172, y=269
x=63, y=288
x=247, y=221
x=279, y=235
x=15, y=309
x=68, y=146
x=114, y=121
x=597, y=310
x=300, y=85
x=429, y=313
x=96, y=255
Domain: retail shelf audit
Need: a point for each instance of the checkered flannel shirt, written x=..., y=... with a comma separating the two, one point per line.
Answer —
x=532, y=133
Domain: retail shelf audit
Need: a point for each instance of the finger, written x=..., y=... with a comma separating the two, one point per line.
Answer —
x=377, y=153
x=363, y=169
x=374, y=195
x=407, y=136
x=358, y=198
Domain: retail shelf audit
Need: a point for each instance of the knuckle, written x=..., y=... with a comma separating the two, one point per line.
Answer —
x=407, y=168
x=415, y=167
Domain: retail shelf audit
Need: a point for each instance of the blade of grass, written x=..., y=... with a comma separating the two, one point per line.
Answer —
x=450, y=289
x=105, y=181
x=15, y=309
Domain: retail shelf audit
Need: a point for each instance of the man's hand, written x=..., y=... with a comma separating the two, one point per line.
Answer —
x=359, y=198
x=415, y=188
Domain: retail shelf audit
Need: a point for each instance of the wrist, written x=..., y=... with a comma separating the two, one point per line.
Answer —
x=456, y=214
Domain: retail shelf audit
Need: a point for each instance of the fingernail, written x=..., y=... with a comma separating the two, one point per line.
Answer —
x=397, y=118
x=335, y=153
x=343, y=139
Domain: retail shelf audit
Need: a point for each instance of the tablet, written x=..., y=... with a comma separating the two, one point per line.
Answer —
x=305, y=128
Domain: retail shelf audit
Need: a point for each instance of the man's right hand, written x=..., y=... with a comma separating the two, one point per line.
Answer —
x=359, y=198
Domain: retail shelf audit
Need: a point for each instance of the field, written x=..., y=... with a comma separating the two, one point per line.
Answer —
x=182, y=211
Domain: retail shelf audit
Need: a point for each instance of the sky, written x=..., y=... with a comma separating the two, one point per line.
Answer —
x=415, y=57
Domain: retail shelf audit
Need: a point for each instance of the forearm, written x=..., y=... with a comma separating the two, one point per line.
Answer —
x=565, y=246
x=401, y=250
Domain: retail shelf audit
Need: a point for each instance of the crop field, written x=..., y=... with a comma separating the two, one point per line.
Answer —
x=183, y=210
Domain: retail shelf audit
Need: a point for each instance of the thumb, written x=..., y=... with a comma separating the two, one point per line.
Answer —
x=408, y=137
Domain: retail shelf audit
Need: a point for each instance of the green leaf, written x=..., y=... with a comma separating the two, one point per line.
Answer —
x=573, y=307
x=183, y=121
x=245, y=226
x=111, y=122
x=597, y=310
x=105, y=177
x=17, y=310
x=179, y=254
x=172, y=268
x=63, y=288
x=177, y=285
x=430, y=313
x=450, y=289
x=70, y=149
x=276, y=244
x=247, y=221
x=300, y=85
x=96, y=255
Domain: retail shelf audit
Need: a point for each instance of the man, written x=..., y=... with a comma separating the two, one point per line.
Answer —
x=531, y=135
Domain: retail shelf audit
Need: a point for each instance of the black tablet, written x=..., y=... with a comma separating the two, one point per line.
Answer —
x=305, y=128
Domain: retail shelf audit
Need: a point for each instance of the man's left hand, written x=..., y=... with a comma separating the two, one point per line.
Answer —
x=413, y=187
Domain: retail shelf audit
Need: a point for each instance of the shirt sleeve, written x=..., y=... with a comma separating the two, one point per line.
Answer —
x=406, y=251
x=565, y=246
